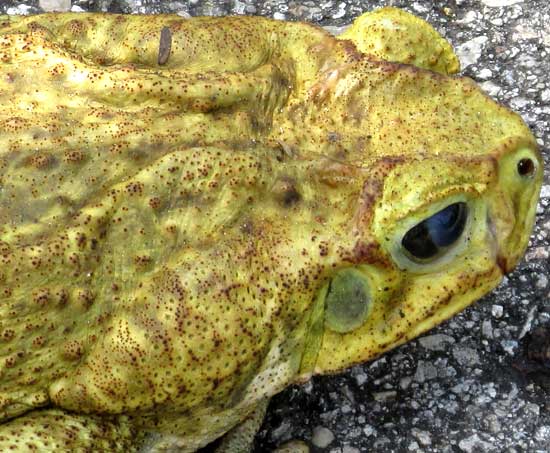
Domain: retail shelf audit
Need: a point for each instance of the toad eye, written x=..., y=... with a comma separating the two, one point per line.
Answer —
x=434, y=235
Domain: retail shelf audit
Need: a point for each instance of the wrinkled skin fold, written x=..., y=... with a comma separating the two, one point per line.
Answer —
x=181, y=199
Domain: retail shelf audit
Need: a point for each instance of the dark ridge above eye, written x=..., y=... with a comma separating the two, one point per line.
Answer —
x=434, y=235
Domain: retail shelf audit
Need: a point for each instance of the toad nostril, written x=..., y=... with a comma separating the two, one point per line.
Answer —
x=526, y=167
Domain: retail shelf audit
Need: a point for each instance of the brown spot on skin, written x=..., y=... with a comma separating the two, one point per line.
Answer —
x=155, y=203
x=42, y=297
x=171, y=229
x=75, y=27
x=81, y=240
x=57, y=70
x=142, y=260
x=291, y=196
x=134, y=188
x=7, y=335
x=38, y=342
x=73, y=156
x=350, y=49
x=85, y=297
x=38, y=30
x=12, y=359
x=72, y=350
x=286, y=192
x=62, y=297
x=4, y=250
x=363, y=252
x=368, y=253
x=372, y=190
x=42, y=161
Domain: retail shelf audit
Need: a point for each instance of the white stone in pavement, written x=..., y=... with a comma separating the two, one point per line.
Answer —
x=499, y=3
x=322, y=437
x=469, y=52
x=21, y=9
x=474, y=444
x=55, y=5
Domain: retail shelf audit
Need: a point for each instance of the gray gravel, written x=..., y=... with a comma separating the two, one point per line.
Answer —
x=455, y=389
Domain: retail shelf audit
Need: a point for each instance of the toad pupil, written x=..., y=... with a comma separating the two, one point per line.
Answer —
x=433, y=235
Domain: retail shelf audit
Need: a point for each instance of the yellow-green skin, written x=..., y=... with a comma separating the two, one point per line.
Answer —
x=169, y=225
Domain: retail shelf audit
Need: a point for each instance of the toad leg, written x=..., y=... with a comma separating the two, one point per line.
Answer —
x=241, y=437
x=55, y=430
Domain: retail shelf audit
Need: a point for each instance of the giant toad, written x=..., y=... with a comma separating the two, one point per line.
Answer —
x=195, y=214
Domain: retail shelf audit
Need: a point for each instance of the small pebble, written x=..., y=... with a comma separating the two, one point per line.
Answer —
x=497, y=311
x=348, y=449
x=385, y=396
x=422, y=436
x=466, y=356
x=322, y=437
x=435, y=342
x=474, y=444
